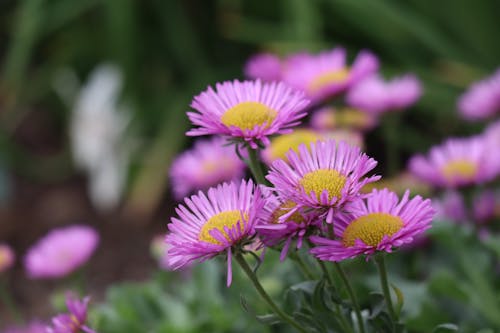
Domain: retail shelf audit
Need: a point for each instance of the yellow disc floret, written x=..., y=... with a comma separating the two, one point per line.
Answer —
x=285, y=208
x=323, y=179
x=328, y=78
x=371, y=229
x=459, y=168
x=283, y=143
x=224, y=219
x=247, y=115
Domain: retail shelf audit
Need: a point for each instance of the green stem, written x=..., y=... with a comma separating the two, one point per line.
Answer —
x=352, y=296
x=384, y=283
x=302, y=265
x=251, y=275
x=9, y=302
x=255, y=166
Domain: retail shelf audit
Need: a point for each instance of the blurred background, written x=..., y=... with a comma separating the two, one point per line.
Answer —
x=93, y=96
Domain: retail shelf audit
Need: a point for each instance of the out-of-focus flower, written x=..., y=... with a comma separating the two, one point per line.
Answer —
x=483, y=205
x=327, y=74
x=324, y=176
x=159, y=249
x=32, y=327
x=7, y=257
x=264, y=66
x=351, y=137
x=280, y=145
x=272, y=231
x=456, y=162
x=328, y=118
x=207, y=164
x=380, y=223
x=74, y=321
x=482, y=99
x=212, y=224
x=61, y=251
x=399, y=184
x=450, y=207
x=97, y=131
x=248, y=110
x=375, y=95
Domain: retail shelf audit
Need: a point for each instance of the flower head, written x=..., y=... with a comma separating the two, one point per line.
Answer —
x=211, y=224
x=61, y=251
x=264, y=66
x=483, y=205
x=327, y=74
x=375, y=95
x=280, y=145
x=378, y=223
x=74, y=321
x=457, y=162
x=207, y=164
x=482, y=99
x=7, y=257
x=324, y=177
x=328, y=118
x=451, y=206
x=249, y=110
x=32, y=327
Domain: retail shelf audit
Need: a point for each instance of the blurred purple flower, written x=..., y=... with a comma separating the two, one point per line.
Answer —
x=32, y=327
x=264, y=66
x=482, y=99
x=450, y=207
x=74, y=321
x=483, y=206
x=7, y=257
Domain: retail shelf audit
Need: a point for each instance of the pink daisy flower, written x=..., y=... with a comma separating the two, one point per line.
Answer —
x=7, y=257
x=61, y=251
x=482, y=99
x=207, y=164
x=264, y=66
x=273, y=230
x=327, y=74
x=249, y=110
x=74, y=321
x=375, y=95
x=324, y=177
x=483, y=205
x=456, y=162
x=378, y=223
x=213, y=224
x=450, y=207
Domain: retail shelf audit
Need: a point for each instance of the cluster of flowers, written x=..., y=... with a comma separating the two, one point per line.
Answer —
x=312, y=191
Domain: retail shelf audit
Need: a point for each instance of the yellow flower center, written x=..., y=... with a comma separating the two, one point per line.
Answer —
x=224, y=219
x=209, y=166
x=349, y=117
x=323, y=179
x=285, y=208
x=283, y=143
x=328, y=78
x=247, y=115
x=371, y=229
x=459, y=168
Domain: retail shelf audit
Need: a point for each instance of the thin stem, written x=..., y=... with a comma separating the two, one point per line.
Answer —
x=286, y=318
x=384, y=283
x=326, y=273
x=302, y=265
x=352, y=296
x=9, y=302
x=255, y=166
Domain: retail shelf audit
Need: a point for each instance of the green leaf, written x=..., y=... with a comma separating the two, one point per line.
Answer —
x=268, y=319
x=400, y=298
x=443, y=328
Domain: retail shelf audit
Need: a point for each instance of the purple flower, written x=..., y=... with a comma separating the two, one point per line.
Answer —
x=328, y=118
x=450, y=207
x=324, y=177
x=211, y=224
x=483, y=205
x=379, y=223
x=7, y=257
x=375, y=95
x=207, y=164
x=482, y=99
x=74, y=321
x=32, y=327
x=327, y=74
x=264, y=66
x=61, y=251
x=249, y=110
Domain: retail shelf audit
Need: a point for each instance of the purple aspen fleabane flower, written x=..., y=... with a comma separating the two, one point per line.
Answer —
x=374, y=95
x=273, y=231
x=264, y=66
x=329, y=118
x=74, y=321
x=250, y=110
x=213, y=223
x=7, y=257
x=32, y=327
x=61, y=251
x=324, y=176
x=327, y=74
x=281, y=144
x=451, y=206
x=378, y=223
x=482, y=99
x=483, y=205
x=456, y=162
x=207, y=164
